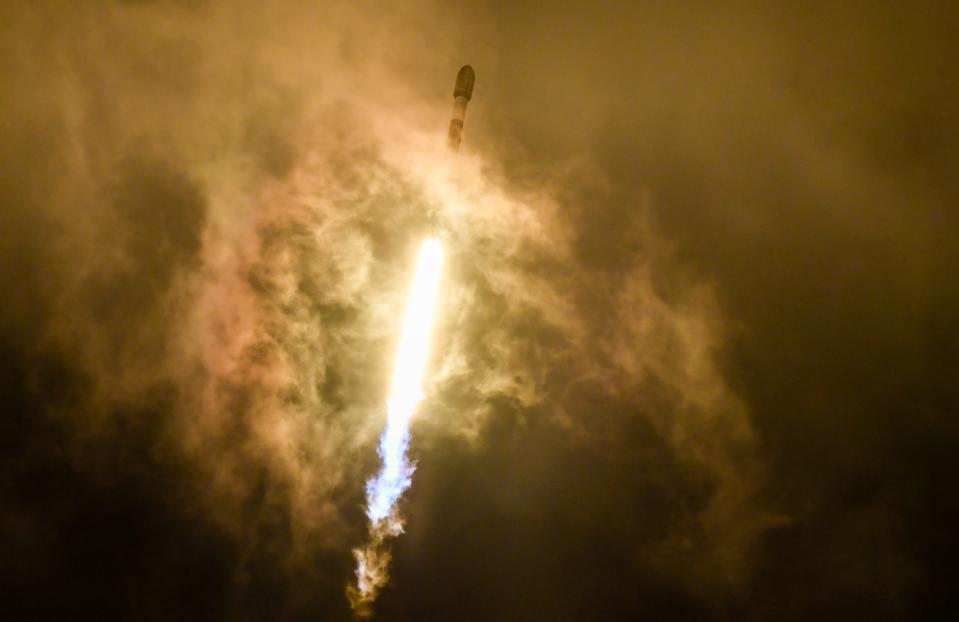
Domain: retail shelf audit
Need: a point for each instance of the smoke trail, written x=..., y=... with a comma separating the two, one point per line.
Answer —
x=406, y=392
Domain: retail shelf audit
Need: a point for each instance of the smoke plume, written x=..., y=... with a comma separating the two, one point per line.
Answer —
x=691, y=359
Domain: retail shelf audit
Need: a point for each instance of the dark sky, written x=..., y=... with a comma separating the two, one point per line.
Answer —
x=698, y=350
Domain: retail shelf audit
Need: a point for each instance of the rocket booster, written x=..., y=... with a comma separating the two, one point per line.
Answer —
x=462, y=93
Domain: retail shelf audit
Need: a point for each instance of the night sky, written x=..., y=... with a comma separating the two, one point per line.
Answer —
x=697, y=353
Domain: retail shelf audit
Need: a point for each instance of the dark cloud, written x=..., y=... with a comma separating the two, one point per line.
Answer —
x=697, y=355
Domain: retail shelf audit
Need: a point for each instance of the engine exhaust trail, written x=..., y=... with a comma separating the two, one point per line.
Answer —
x=406, y=392
x=384, y=490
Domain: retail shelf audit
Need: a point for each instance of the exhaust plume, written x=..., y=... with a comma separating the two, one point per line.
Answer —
x=406, y=392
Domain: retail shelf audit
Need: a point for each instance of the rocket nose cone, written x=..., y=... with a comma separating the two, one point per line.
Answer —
x=464, y=82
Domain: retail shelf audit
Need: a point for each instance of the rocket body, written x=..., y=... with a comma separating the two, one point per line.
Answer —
x=462, y=93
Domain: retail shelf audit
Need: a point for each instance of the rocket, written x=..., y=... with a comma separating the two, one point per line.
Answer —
x=462, y=93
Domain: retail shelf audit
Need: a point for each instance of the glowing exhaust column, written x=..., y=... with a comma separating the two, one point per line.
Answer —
x=406, y=389
x=406, y=392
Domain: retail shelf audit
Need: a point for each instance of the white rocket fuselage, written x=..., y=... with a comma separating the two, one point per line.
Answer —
x=462, y=93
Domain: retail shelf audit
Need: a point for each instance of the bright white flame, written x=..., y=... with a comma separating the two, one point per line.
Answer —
x=406, y=392
x=406, y=389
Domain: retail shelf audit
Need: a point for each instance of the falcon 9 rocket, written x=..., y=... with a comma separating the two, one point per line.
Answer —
x=462, y=93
